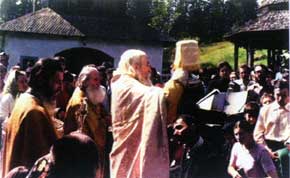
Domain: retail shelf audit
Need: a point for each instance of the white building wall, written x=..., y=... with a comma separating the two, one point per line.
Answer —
x=17, y=45
x=155, y=52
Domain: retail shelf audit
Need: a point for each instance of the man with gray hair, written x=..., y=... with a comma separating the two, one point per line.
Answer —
x=140, y=117
x=85, y=112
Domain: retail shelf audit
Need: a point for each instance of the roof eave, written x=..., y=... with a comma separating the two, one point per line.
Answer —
x=51, y=34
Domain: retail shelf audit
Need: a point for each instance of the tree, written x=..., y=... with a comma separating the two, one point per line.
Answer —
x=199, y=19
x=139, y=9
x=209, y=20
x=10, y=9
x=238, y=12
x=181, y=26
x=206, y=20
x=216, y=20
x=164, y=15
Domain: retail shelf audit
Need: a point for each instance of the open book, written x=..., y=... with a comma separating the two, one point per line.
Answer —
x=228, y=102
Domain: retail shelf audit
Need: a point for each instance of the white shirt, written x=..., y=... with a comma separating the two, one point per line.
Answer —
x=6, y=105
x=273, y=123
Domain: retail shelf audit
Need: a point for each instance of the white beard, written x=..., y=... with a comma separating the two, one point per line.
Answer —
x=96, y=95
x=144, y=80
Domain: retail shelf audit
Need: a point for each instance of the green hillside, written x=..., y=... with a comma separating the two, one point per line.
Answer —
x=224, y=51
x=212, y=54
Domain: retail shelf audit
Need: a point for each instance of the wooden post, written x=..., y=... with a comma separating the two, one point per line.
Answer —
x=279, y=60
x=2, y=44
x=269, y=57
x=33, y=5
x=236, y=57
x=252, y=53
x=249, y=57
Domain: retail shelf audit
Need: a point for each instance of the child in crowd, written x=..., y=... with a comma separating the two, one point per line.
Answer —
x=266, y=99
x=251, y=112
x=247, y=157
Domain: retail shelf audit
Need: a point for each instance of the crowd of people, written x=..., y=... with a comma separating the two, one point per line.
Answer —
x=127, y=122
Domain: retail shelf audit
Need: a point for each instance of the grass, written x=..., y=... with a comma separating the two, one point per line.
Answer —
x=224, y=51
x=214, y=53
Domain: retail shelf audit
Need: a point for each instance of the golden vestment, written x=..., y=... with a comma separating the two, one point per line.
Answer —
x=95, y=124
x=29, y=133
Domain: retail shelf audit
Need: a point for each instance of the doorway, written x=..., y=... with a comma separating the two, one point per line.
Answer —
x=76, y=58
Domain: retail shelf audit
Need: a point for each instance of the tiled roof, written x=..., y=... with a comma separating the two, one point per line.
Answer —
x=44, y=21
x=270, y=2
x=271, y=21
x=273, y=16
